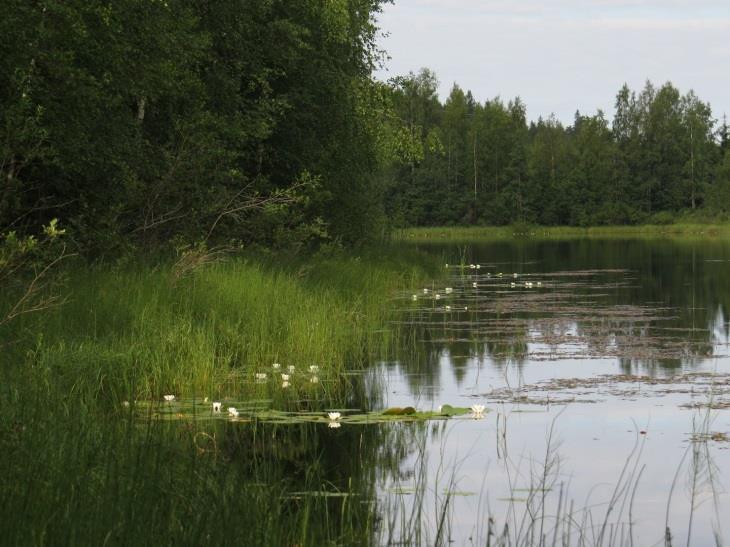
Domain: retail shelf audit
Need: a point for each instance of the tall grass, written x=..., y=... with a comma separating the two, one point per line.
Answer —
x=81, y=468
x=141, y=333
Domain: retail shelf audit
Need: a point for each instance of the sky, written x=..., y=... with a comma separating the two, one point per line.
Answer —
x=560, y=56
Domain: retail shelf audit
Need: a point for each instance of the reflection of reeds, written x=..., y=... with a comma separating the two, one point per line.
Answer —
x=546, y=515
x=702, y=472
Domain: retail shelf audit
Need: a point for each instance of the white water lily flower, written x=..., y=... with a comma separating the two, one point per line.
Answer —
x=479, y=266
x=478, y=410
x=414, y=297
x=466, y=309
x=514, y=275
x=447, y=265
x=448, y=308
x=169, y=398
x=425, y=291
x=499, y=274
x=276, y=366
x=261, y=376
x=334, y=416
x=448, y=290
x=232, y=411
x=314, y=379
x=314, y=368
x=513, y=284
x=285, y=384
x=437, y=296
x=125, y=403
x=216, y=407
x=474, y=284
x=334, y=425
x=539, y=284
x=285, y=377
x=205, y=400
x=291, y=369
x=472, y=266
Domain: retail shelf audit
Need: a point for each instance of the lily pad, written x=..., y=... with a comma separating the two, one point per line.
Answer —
x=448, y=410
x=397, y=411
x=249, y=411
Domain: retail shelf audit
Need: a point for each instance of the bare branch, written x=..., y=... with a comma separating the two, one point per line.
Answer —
x=28, y=302
x=233, y=207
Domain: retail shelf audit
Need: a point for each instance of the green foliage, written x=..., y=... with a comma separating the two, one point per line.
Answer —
x=661, y=218
x=26, y=271
x=140, y=332
x=660, y=156
x=140, y=122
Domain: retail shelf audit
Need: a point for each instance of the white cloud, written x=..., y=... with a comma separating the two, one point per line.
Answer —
x=558, y=60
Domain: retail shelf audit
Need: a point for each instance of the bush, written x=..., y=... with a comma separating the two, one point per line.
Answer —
x=662, y=218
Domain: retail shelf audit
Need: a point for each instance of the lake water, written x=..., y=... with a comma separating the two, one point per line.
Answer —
x=598, y=360
x=604, y=369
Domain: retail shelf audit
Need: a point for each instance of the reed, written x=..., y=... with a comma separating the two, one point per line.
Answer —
x=82, y=468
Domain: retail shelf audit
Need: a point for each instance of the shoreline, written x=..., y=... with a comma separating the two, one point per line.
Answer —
x=481, y=233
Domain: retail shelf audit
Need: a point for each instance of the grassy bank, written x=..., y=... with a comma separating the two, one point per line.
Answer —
x=486, y=233
x=142, y=332
x=80, y=467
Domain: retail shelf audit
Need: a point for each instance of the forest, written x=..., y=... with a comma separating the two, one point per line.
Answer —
x=162, y=124
x=462, y=162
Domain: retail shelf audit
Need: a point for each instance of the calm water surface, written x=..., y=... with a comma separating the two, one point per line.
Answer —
x=597, y=360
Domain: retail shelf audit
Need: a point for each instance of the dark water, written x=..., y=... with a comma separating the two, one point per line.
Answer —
x=598, y=359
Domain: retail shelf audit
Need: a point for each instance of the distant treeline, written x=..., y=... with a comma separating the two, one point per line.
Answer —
x=140, y=123
x=462, y=162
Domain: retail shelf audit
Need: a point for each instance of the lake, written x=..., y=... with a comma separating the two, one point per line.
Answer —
x=604, y=366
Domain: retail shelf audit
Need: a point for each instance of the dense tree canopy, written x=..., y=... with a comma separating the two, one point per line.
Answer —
x=144, y=122
x=662, y=155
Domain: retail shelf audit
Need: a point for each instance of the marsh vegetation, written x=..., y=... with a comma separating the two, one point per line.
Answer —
x=562, y=392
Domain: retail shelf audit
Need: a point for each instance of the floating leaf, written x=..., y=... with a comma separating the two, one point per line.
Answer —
x=448, y=410
x=397, y=411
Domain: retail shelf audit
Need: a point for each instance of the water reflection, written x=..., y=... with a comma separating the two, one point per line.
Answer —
x=575, y=326
x=650, y=305
x=561, y=439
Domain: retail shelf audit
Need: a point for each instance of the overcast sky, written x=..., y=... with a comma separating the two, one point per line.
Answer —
x=563, y=55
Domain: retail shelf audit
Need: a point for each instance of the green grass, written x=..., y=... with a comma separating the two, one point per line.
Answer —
x=142, y=333
x=488, y=233
x=80, y=468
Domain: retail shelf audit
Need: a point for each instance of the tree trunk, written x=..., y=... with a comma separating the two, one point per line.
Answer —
x=141, y=103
